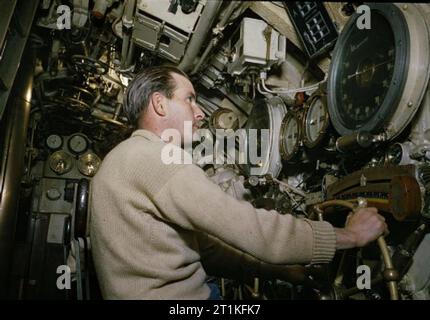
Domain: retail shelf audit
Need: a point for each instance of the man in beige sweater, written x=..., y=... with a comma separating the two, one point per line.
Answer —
x=148, y=217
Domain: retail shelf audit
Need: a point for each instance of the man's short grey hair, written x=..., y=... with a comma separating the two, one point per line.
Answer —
x=139, y=91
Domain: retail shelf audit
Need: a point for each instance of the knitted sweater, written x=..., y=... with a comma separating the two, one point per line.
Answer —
x=145, y=217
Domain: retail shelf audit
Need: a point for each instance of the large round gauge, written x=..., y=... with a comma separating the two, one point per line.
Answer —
x=290, y=136
x=54, y=142
x=60, y=162
x=88, y=164
x=368, y=70
x=316, y=121
x=263, y=128
x=78, y=144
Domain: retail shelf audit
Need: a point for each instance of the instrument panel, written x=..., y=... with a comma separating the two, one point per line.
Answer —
x=73, y=158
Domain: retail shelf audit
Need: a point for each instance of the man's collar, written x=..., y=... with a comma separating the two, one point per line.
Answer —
x=146, y=134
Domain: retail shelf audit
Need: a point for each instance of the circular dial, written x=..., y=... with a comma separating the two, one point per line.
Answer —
x=54, y=141
x=290, y=136
x=78, y=144
x=316, y=121
x=60, y=162
x=368, y=71
x=88, y=164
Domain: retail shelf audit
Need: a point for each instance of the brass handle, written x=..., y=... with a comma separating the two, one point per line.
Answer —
x=390, y=274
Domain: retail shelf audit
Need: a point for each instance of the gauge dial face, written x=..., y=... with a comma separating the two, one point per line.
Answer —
x=316, y=121
x=78, y=144
x=54, y=141
x=290, y=136
x=88, y=164
x=60, y=162
x=368, y=71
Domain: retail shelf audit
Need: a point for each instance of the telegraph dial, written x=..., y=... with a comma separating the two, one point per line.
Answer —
x=371, y=74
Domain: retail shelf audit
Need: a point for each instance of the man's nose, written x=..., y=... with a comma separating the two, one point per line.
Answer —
x=199, y=114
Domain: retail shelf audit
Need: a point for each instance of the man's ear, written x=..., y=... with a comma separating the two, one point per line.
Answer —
x=159, y=103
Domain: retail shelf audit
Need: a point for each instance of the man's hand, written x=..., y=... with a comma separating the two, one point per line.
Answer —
x=361, y=228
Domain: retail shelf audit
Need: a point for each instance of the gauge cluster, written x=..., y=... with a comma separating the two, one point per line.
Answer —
x=74, y=160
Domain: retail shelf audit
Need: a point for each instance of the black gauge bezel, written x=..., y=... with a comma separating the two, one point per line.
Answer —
x=400, y=29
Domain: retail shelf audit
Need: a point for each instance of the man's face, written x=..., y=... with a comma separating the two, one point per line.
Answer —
x=183, y=106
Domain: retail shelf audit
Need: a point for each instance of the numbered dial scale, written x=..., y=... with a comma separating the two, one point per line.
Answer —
x=291, y=134
x=368, y=71
x=316, y=120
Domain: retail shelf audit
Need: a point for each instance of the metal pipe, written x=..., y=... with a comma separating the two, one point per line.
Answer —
x=14, y=136
x=390, y=274
x=228, y=12
x=130, y=54
x=203, y=26
x=127, y=24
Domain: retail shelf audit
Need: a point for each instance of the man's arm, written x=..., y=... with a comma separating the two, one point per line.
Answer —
x=192, y=201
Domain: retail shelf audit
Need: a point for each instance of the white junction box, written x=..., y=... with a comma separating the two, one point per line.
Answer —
x=255, y=43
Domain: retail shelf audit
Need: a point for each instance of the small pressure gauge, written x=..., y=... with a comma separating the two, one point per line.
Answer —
x=78, y=144
x=54, y=142
x=316, y=121
x=290, y=136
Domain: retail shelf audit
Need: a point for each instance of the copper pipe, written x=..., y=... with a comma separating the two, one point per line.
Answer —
x=390, y=274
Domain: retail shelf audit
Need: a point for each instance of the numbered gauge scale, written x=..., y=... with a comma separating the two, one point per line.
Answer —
x=316, y=120
x=291, y=135
x=378, y=76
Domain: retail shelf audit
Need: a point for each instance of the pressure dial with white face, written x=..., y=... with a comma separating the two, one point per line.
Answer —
x=54, y=142
x=316, y=121
x=78, y=144
x=290, y=136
